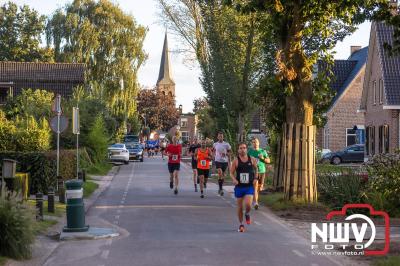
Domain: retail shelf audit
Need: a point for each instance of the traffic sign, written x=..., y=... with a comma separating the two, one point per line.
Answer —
x=63, y=123
x=56, y=106
x=75, y=121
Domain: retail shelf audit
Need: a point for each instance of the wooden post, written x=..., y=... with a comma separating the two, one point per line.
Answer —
x=296, y=166
x=288, y=175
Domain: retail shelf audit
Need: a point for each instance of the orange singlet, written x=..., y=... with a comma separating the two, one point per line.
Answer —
x=202, y=159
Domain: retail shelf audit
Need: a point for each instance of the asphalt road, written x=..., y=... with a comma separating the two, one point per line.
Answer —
x=160, y=228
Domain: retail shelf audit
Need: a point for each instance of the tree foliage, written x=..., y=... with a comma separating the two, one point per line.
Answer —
x=108, y=41
x=21, y=30
x=206, y=123
x=158, y=109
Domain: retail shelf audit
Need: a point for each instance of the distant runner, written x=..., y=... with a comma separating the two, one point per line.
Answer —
x=221, y=151
x=163, y=147
x=192, y=151
x=244, y=176
x=174, y=152
x=262, y=158
x=204, y=157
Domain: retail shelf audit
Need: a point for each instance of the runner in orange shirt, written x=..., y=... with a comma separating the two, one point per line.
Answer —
x=204, y=157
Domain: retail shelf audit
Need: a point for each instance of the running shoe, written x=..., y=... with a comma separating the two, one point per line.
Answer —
x=195, y=189
x=247, y=216
x=221, y=192
x=202, y=196
x=241, y=228
x=176, y=191
x=171, y=185
x=256, y=206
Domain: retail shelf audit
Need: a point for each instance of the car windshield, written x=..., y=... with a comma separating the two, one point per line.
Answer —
x=131, y=138
x=117, y=146
x=135, y=146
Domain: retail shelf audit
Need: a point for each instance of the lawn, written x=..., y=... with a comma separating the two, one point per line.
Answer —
x=388, y=261
x=99, y=168
x=88, y=188
x=59, y=208
x=42, y=226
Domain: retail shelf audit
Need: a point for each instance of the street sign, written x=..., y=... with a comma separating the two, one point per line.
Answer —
x=56, y=106
x=63, y=123
x=75, y=121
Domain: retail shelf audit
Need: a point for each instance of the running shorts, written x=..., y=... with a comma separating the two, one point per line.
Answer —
x=173, y=167
x=240, y=192
x=203, y=172
x=221, y=165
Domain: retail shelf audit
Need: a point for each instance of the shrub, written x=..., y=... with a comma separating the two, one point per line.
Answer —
x=384, y=172
x=7, y=133
x=16, y=228
x=97, y=140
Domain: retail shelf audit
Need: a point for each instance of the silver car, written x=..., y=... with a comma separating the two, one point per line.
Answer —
x=118, y=153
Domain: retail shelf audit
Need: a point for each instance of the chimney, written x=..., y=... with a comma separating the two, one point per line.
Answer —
x=354, y=48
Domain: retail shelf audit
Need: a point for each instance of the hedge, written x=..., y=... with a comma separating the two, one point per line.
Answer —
x=42, y=166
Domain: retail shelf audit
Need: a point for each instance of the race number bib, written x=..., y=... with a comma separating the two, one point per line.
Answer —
x=203, y=162
x=174, y=157
x=244, y=178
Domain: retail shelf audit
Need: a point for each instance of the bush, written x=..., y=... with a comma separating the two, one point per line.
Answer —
x=384, y=172
x=97, y=140
x=42, y=166
x=337, y=189
x=16, y=228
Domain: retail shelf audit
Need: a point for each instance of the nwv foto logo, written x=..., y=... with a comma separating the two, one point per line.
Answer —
x=337, y=235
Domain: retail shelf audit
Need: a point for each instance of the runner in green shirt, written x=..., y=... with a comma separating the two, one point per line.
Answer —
x=262, y=158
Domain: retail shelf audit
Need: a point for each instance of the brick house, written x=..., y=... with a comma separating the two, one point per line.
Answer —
x=342, y=116
x=380, y=103
x=59, y=78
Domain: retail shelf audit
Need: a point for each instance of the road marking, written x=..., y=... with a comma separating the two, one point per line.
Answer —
x=104, y=254
x=257, y=223
x=116, y=217
x=314, y=264
x=252, y=262
x=298, y=253
x=157, y=206
x=116, y=222
x=206, y=250
x=109, y=242
x=122, y=201
x=119, y=211
x=233, y=205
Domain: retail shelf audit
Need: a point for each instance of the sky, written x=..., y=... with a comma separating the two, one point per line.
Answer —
x=186, y=77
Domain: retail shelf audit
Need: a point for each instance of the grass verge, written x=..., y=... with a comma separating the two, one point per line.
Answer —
x=277, y=202
x=88, y=188
x=101, y=168
x=59, y=208
x=388, y=261
x=3, y=260
x=42, y=226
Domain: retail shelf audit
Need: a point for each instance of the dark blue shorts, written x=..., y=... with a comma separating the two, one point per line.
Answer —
x=173, y=167
x=240, y=192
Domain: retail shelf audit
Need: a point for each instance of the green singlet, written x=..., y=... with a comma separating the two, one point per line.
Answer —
x=260, y=165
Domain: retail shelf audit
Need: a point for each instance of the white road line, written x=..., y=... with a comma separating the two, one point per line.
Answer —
x=314, y=264
x=104, y=254
x=257, y=223
x=119, y=211
x=298, y=253
x=206, y=250
x=109, y=242
x=116, y=222
x=122, y=202
x=116, y=217
x=252, y=262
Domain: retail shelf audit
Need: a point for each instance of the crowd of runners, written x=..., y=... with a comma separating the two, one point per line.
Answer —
x=246, y=169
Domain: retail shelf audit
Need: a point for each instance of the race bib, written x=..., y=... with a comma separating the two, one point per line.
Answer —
x=244, y=178
x=174, y=157
x=203, y=162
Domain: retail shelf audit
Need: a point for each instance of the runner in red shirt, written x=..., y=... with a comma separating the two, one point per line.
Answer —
x=174, y=152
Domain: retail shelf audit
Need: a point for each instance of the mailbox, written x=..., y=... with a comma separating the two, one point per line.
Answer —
x=9, y=168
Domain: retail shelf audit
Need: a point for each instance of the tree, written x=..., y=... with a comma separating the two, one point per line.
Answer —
x=157, y=109
x=21, y=31
x=97, y=139
x=206, y=124
x=227, y=45
x=304, y=32
x=109, y=42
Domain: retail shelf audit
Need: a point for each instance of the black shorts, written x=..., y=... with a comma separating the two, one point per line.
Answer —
x=221, y=165
x=204, y=172
x=173, y=167
x=194, y=164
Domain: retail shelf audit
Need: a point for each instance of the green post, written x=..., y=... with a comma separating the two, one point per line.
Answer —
x=75, y=207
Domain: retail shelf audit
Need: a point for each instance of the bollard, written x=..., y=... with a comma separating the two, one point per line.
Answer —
x=75, y=207
x=50, y=200
x=39, y=206
x=61, y=190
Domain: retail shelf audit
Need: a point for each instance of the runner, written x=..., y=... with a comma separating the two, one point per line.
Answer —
x=262, y=158
x=221, y=150
x=192, y=151
x=204, y=157
x=244, y=176
x=174, y=152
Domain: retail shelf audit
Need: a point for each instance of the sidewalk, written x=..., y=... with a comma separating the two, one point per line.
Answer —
x=45, y=245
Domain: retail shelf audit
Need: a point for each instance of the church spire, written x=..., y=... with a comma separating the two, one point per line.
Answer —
x=164, y=75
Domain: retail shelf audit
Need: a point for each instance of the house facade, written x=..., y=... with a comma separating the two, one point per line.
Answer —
x=59, y=78
x=380, y=102
x=345, y=126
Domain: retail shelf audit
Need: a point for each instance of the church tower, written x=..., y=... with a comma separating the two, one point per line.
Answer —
x=165, y=83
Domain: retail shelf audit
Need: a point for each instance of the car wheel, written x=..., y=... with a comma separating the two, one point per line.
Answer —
x=336, y=160
x=126, y=162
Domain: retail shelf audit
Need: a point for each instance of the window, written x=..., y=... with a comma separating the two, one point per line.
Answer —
x=384, y=139
x=374, y=88
x=373, y=140
x=380, y=139
x=185, y=136
x=380, y=91
x=367, y=142
x=351, y=136
x=370, y=141
x=184, y=122
x=326, y=138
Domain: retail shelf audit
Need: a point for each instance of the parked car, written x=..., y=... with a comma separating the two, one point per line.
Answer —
x=135, y=151
x=118, y=153
x=350, y=154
